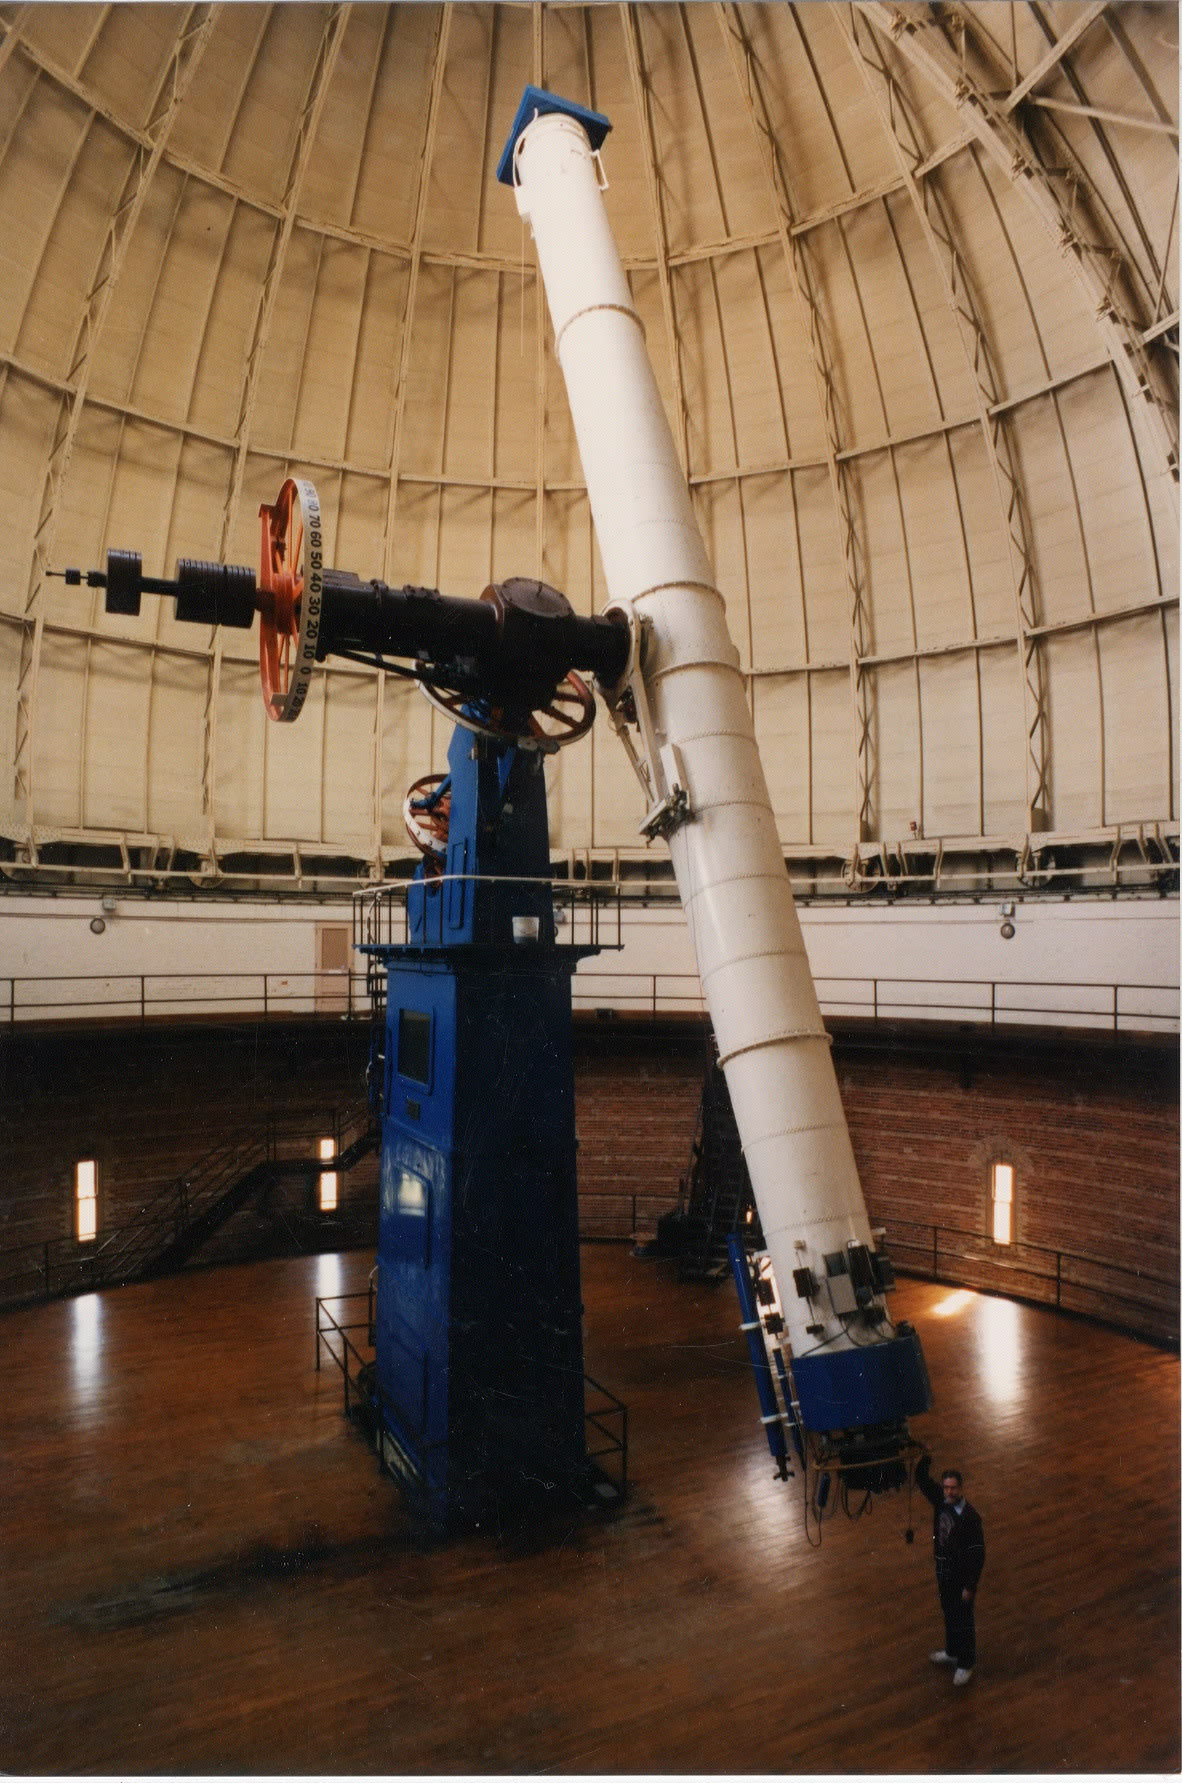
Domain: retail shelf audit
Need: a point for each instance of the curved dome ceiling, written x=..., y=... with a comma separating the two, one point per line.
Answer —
x=909, y=276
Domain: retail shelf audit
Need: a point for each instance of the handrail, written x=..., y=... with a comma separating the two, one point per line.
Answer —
x=597, y=1417
x=929, y=1255
x=144, y=997
x=54, y=1265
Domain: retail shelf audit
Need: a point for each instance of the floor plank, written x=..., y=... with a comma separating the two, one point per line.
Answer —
x=201, y=1570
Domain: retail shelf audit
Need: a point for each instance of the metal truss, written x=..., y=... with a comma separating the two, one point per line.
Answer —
x=746, y=72
x=942, y=43
x=940, y=236
x=318, y=85
x=189, y=46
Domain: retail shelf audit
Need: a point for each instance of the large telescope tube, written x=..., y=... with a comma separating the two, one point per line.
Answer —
x=850, y=1369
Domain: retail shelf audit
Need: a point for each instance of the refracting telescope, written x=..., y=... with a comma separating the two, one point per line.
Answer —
x=475, y=1365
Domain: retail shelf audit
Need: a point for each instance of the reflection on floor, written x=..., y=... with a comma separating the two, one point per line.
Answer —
x=202, y=1569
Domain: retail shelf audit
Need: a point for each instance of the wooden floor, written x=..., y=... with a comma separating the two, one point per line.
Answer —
x=202, y=1570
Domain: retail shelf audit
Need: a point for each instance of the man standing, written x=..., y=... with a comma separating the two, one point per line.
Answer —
x=958, y=1538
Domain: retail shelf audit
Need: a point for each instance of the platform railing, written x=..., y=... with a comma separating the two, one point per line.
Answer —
x=50, y=1268
x=144, y=998
x=587, y=912
x=1143, y=1298
x=605, y=1417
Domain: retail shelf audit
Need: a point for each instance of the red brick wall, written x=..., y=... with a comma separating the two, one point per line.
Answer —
x=1091, y=1128
x=148, y=1104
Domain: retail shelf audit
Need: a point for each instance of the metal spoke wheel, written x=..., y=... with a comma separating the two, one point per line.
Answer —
x=291, y=593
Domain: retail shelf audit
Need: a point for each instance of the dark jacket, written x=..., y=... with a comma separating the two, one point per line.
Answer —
x=958, y=1538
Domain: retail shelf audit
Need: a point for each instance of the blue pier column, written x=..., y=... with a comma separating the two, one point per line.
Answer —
x=479, y=1307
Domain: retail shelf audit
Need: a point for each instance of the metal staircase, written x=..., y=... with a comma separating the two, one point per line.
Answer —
x=169, y=1228
x=717, y=1199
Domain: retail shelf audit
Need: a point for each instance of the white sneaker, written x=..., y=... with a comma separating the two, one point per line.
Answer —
x=962, y=1674
x=941, y=1658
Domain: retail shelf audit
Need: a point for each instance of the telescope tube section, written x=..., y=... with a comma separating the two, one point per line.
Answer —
x=851, y=1370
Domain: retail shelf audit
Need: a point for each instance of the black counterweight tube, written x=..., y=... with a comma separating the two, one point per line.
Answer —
x=517, y=641
x=518, y=632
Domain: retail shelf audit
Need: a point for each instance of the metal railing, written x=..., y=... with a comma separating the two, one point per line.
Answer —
x=587, y=912
x=53, y=1267
x=1134, y=1298
x=605, y=1417
x=330, y=1332
x=142, y=998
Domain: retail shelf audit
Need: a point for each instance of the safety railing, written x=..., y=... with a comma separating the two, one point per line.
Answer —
x=54, y=1267
x=587, y=912
x=148, y=997
x=1141, y=1297
x=333, y=1340
x=605, y=1417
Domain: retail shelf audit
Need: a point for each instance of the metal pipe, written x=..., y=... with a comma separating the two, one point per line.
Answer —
x=699, y=754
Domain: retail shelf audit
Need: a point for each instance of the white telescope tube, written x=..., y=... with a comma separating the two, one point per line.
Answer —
x=726, y=856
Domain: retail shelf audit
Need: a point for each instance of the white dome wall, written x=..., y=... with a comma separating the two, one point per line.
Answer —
x=322, y=277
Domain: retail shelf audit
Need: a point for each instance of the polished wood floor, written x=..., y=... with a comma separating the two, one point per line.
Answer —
x=203, y=1572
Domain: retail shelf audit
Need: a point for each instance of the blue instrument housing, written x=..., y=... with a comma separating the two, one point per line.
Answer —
x=856, y=1389
x=479, y=1355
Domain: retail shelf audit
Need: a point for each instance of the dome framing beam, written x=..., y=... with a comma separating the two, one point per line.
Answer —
x=1061, y=198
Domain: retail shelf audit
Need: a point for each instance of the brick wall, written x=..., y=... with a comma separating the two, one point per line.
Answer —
x=1091, y=1128
x=148, y=1105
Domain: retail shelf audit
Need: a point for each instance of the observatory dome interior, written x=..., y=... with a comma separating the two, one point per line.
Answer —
x=908, y=275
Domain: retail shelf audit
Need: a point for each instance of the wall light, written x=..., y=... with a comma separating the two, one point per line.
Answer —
x=328, y=1179
x=86, y=1201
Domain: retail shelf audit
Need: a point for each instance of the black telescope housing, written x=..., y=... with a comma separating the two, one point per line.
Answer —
x=512, y=645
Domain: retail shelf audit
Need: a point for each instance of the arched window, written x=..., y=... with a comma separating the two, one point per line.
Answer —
x=86, y=1200
x=1001, y=1201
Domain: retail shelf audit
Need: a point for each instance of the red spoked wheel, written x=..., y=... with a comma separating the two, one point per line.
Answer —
x=427, y=818
x=568, y=716
x=291, y=594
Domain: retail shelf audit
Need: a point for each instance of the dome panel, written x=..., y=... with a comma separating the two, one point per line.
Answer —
x=394, y=113
x=826, y=588
x=900, y=790
x=58, y=749
x=1136, y=781
x=228, y=326
x=456, y=174
x=1107, y=484
x=380, y=321
x=126, y=61
x=932, y=521
x=1055, y=528
x=691, y=203
x=263, y=133
x=329, y=188
x=175, y=738
x=887, y=587
x=205, y=124
x=831, y=754
x=328, y=376
x=1074, y=696
x=949, y=747
x=348, y=805
x=241, y=745
x=776, y=619
x=784, y=727
x=1006, y=794
x=567, y=550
